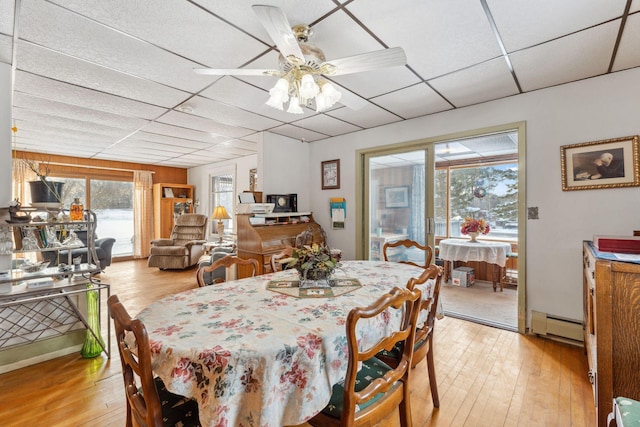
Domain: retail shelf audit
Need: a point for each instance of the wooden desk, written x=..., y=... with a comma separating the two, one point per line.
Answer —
x=463, y=250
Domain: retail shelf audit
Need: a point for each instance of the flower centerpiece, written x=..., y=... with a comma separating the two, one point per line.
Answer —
x=313, y=262
x=473, y=227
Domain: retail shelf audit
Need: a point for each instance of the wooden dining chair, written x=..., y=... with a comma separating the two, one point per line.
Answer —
x=285, y=253
x=226, y=262
x=369, y=384
x=148, y=400
x=423, y=344
x=410, y=244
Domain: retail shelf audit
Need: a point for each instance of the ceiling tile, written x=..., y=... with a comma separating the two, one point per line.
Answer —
x=483, y=82
x=167, y=140
x=628, y=55
x=7, y=11
x=566, y=59
x=47, y=63
x=204, y=124
x=83, y=97
x=180, y=132
x=54, y=108
x=226, y=114
x=438, y=37
x=527, y=23
x=327, y=125
x=412, y=102
x=298, y=133
x=178, y=26
x=63, y=31
x=369, y=116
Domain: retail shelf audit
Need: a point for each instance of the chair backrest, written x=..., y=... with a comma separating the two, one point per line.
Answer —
x=397, y=299
x=285, y=253
x=226, y=262
x=143, y=401
x=410, y=244
x=429, y=304
x=189, y=227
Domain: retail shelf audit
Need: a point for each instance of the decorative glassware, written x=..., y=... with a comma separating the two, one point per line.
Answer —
x=76, y=211
x=92, y=346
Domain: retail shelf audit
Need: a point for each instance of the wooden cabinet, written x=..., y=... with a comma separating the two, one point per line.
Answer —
x=611, y=328
x=169, y=201
x=260, y=236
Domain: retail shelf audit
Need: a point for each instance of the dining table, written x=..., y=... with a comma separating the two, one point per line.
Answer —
x=262, y=351
x=491, y=252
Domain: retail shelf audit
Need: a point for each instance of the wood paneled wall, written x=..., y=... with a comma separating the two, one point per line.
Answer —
x=103, y=168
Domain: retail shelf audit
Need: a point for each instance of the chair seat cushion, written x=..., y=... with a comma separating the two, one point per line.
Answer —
x=371, y=369
x=396, y=351
x=169, y=250
x=178, y=411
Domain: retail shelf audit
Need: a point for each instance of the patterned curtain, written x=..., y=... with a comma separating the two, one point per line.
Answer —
x=417, y=227
x=22, y=174
x=142, y=213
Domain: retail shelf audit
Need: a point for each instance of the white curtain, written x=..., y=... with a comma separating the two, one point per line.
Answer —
x=22, y=174
x=417, y=227
x=142, y=213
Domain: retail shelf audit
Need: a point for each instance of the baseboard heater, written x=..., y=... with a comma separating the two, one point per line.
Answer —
x=556, y=327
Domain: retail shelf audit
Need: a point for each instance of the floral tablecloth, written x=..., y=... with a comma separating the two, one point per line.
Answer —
x=252, y=357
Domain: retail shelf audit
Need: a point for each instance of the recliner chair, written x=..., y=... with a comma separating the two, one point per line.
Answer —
x=184, y=248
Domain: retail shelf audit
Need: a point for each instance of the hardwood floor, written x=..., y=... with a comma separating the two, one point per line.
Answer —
x=486, y=376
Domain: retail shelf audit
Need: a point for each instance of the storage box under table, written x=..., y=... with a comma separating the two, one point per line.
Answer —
x=463, y=276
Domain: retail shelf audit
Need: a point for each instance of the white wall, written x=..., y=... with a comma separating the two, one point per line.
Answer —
x=5, y=145
x=590, y=110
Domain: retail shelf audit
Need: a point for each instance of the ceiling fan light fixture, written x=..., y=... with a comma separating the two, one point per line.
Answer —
x=321, y=102
x=331, y=95
x=308, y=87
x=294, y=107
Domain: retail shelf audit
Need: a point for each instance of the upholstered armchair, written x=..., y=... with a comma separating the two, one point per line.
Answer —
x=184, y=248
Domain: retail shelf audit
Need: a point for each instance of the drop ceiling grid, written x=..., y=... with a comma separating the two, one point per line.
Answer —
x=204, y=124
x=412, y=102
x=628, y=55
x=75, y=95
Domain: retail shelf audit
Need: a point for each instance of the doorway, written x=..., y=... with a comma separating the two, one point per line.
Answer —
x=423, y=190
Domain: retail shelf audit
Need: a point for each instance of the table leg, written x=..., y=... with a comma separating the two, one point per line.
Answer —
x=496, y=277
x=447, y=271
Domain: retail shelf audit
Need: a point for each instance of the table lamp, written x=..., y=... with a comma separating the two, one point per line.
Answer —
x=220, y=213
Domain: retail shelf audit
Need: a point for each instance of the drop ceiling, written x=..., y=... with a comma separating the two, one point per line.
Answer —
x=113, y=79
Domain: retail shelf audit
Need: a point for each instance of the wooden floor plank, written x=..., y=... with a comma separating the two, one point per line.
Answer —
x=485, y=376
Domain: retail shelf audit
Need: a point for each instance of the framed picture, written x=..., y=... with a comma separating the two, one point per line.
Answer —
x=396, y=197
x=331, y=174
x=610, y=163
x=168, y=192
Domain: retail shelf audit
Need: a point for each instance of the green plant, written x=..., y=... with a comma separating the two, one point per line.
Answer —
x=313, y=261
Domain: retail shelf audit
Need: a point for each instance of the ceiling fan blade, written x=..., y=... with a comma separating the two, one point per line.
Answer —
x=369, y=61
x=277, y=25
x=236, y=72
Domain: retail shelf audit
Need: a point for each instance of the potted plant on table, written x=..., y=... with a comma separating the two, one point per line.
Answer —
x=313, y=262
x=44, y=192
x=473, y=227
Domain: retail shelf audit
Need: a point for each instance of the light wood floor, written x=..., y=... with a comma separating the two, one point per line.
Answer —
x=486, y=376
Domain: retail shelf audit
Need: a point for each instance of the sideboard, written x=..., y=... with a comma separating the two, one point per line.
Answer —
x=611, y=303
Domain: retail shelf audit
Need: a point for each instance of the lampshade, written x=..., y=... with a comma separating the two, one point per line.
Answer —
x=220, y=213
x=298, y=87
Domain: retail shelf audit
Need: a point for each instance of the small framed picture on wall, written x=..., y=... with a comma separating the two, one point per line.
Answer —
x=330, y=174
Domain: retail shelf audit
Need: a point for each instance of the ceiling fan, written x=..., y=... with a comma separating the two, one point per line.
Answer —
x=304, y=68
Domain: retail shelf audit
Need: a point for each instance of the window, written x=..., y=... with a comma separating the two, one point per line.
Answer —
x=482, y=187
x=222, y=194
x=111, y=201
